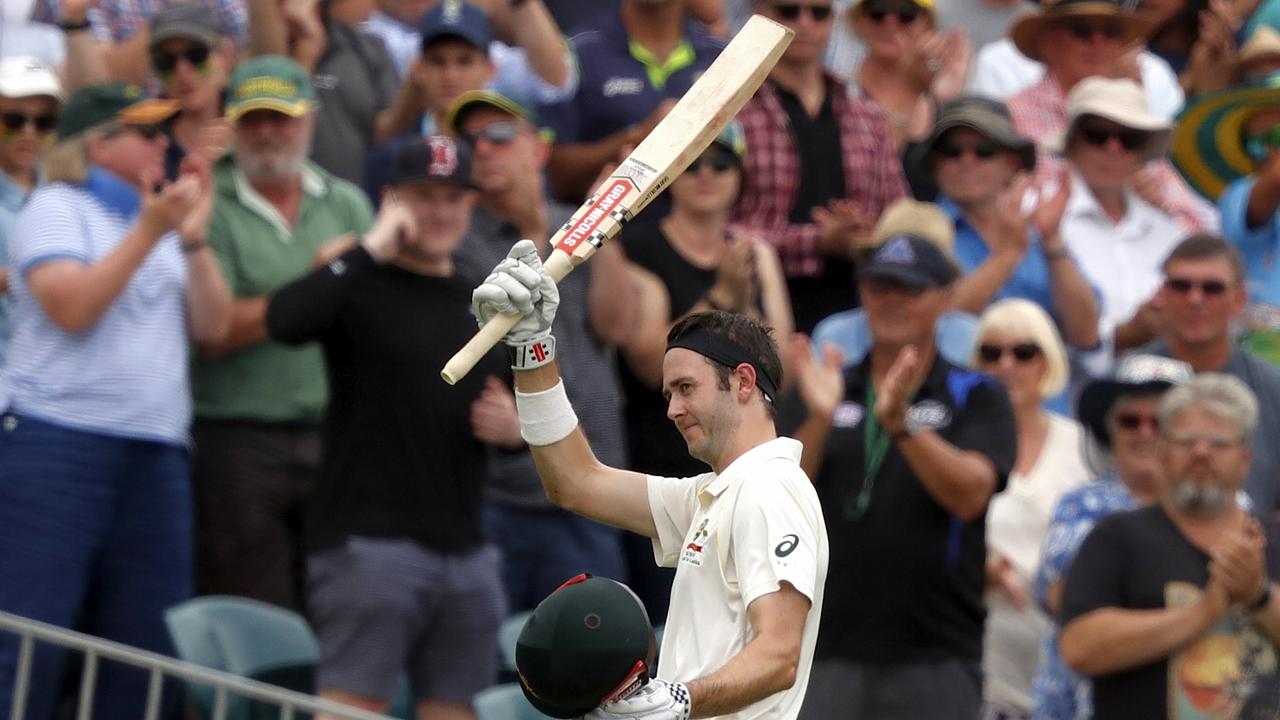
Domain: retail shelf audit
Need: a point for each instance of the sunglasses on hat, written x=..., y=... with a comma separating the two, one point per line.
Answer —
x=791, y=11
x=879, y=10
x=1022, y=352
x=16, y=121
x=1129, y=138
x=166, y=62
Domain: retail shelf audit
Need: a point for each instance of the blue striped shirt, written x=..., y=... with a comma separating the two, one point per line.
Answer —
x=127, y=375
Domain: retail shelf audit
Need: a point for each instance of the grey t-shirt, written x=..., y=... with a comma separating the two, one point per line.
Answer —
x=1263, y=483
x=586, y=365
x=354, y=81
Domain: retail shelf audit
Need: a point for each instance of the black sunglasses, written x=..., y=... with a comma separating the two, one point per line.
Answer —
x=1129, y=138
x=791, y=11
x=717, y=161
x=1022, y=352
x=1182, y=286
x=15, y=121
x=165, y=62
x=1133, y=421
x=952, y=151
x=1084, y=30
x=499, y=133
x=878, y=10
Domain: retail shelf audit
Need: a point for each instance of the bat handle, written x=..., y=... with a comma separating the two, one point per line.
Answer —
x=479, y=344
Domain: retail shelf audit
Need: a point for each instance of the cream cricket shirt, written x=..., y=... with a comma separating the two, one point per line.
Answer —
x=732, y=538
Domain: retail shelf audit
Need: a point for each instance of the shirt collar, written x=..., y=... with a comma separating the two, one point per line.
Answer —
x=117, y=195
x=11, y=194
x=312, y=184
x=782, y=448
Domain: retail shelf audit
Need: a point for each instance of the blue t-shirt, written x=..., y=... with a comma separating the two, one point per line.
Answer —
x=620, y=83
x=1030, y=279
x=1261, y=331
x=126, y=376
x=848, y=330
x=11, y=199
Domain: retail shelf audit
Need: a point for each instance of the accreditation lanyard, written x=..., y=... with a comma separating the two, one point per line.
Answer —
x=875, y=446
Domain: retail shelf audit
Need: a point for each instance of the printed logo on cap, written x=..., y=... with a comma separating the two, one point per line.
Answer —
x=444, y=157
x=897, y=250
x=452, y=12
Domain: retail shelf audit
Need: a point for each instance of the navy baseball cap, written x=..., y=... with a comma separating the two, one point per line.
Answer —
x=912, y=261
x=437, y=158
x=453, y=18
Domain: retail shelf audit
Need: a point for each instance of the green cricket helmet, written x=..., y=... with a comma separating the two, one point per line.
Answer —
x=587, y=643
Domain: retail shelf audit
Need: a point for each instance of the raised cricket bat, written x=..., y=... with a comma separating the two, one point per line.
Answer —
x=682, y=135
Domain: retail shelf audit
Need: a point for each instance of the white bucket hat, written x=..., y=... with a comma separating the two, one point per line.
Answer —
x=1121, y=101
x=28, y=77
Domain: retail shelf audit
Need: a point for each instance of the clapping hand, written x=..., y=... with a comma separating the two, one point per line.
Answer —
x=1237, y=563
x=493, y=416
x=166, y=206
x=897, y=388
x=391, y=229
x=821, y=384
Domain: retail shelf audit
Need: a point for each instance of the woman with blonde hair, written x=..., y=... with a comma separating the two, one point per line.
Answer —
x=1018, y=343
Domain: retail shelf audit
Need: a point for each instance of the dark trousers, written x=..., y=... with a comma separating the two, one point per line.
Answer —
x=95, y=529
x=252, y=483
x=944, y=690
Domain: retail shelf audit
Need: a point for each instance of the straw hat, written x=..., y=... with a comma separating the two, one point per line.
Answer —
x=1026, y=32
x=1208, y=143
x=1121, y=101
x=924, y=220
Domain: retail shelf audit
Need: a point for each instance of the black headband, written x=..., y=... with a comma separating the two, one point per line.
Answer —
x=722, y=351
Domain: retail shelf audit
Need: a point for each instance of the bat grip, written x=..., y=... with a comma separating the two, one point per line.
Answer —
x=558, y=265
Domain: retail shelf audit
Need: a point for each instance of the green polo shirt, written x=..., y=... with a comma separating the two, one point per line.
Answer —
x=259, y=253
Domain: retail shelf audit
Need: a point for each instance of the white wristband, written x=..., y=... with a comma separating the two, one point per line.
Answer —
x=546, y=417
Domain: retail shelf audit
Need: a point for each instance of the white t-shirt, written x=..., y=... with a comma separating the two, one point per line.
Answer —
x=732, y=538
x=1017, y=522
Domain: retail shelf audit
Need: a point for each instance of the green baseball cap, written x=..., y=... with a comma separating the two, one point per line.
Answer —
x=474, y=99
x=115, y=101
x=269, y=82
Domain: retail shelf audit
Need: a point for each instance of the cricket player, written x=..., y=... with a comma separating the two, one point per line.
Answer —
x=747, y=540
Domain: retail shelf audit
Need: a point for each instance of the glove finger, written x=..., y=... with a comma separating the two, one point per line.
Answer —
x=490, y=299
x=522, y=249
x=520, y=297
x=528, y=276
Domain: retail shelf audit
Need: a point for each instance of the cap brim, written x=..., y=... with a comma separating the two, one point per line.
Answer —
x=465, y=105
x=1098, y=396
x=1025, y=33
x=1206, y=144
x=148, y=112
x=434, y=180
x=1010, y=140
x=297, y=108
x=906, y=275
x=184, y=31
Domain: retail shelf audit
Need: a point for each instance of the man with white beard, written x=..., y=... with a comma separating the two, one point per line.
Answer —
x=258, y=404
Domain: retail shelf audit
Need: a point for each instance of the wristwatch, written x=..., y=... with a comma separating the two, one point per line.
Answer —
x=74, y=25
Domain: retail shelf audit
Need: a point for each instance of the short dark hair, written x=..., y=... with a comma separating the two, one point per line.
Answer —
x=1201, y=246
x=754, y=337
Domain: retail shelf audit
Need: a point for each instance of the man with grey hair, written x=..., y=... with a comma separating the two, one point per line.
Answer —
x=1173, y=608
x=258, y=404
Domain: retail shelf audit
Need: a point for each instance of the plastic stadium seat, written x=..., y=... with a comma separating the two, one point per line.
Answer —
x=244, y=637
x=507, y=636
x=504, y=702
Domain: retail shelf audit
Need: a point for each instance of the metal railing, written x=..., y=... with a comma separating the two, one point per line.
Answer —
x=225, y=685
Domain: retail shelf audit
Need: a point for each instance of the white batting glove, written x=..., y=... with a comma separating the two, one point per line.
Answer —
x=657, y=700
x=519, y=285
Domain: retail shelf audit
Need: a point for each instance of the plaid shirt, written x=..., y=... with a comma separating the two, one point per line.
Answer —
x=1040, y=111
x=118, y=20
x=873, y=176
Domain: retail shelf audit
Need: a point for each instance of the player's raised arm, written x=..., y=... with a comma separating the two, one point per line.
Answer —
x=572, y=476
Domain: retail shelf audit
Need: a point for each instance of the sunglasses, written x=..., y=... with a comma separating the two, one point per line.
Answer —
x=1182, y=286
x=953, y=151
x=1133, y=421
x=165, y=62
x=879, y=10
x=791, y=11
x=1022, y=352
x=499, y=133
x=719, y=162
x=147, y=132
x=1259, y=146
x=15, y=121
x=1085, y=31
x=1130, y=139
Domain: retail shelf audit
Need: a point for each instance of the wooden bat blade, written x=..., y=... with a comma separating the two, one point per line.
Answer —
x=681, y=136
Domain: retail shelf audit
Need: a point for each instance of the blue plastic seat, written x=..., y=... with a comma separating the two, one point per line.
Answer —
x=504, y=702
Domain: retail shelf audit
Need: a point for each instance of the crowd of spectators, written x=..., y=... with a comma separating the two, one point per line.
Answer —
x=1020, y=258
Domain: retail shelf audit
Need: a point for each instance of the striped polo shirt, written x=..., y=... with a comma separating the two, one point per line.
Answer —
x=127, y=375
